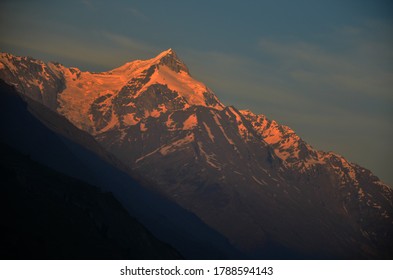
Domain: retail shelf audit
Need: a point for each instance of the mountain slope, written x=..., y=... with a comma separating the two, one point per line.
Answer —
x=251, y=179
x=53, y=216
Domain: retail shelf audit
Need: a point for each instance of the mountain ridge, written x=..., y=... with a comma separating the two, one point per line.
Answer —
x=232, y=168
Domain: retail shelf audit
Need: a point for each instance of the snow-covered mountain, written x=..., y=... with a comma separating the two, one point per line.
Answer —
x=249, y=178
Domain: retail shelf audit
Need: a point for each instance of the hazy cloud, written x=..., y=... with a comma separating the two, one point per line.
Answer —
x=88, y=4
x=138, y=47
x=138, y=14
x=348, y=72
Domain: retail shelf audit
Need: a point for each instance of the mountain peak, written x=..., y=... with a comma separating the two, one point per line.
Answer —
x=167, y=52
x=170, y=59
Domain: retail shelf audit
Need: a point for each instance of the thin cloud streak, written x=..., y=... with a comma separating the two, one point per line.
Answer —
x=349, y=72
x=131, y=45
x=138, y=14
x=88, y=4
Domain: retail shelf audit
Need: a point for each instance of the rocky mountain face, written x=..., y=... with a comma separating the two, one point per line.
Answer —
x=254, y=181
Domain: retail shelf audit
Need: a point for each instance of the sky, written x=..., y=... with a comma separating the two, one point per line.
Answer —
x=324, y=68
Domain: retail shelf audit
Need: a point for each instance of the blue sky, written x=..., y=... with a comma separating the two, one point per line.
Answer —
x=325, y=68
